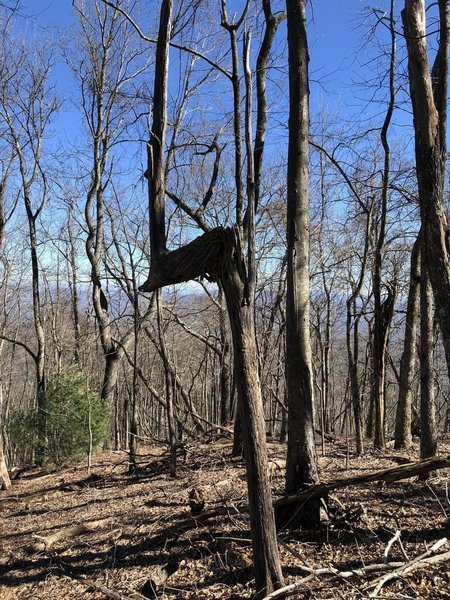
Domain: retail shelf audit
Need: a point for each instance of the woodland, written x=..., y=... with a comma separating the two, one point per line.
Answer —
x=224, y=315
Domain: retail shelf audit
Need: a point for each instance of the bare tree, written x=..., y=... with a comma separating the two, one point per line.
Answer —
x=219, y=255
x=105, y=67
x=352, y=337
x=403, y=420
x=383, y=308
x=355, y=277
x=301, y=462
x=428, y=88
x=27, y=105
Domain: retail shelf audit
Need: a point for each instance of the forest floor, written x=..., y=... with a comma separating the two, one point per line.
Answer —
x=110, y=534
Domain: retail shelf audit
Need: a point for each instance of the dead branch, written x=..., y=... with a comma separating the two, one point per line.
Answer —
x=44, y=543
x=331, y=573
x=419, y=562
x=387, y=475
x=394, y=538
x=205, y=256
x=193, y=521
x=395, y=570
x=322, y=489
x=108, y=593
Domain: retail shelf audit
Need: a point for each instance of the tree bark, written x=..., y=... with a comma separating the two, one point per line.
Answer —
x=5, y=481
x=301, y=463
x=226, y=378
x=40, y=354
x=428, y=90
x=428, y=437
x=218, y=255
x=379, y=353
x=384, y=310
x=403, y=419
x=265, y=550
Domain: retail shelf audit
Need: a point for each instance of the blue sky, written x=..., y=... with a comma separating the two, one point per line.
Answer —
x=338, y=51
x=333, y=38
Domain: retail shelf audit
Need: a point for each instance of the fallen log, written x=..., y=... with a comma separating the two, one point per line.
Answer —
x=45, y=543
x=387, y=475
x=321, y=490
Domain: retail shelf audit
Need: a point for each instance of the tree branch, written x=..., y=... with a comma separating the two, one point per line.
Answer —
x=151, y=40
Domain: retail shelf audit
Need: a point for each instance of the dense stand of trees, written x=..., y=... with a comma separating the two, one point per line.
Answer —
x=298, y=277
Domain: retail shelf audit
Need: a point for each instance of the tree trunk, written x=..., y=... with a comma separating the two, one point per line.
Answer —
x=237, y=449
x=5, y=481
x=133, y=417
x=40, y=332
x=353, y=354
x=225, y=370
x=384, y=310
x=301, y=463
x=169, y=380
x=428, y=90
x=403, y=419
x=352, y=338
x=264, y=540
x=218, y=255
x=380, y=340
x=73, y=286
x=428, y=438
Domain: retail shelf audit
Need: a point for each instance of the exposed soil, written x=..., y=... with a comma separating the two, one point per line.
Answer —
x=111, y=534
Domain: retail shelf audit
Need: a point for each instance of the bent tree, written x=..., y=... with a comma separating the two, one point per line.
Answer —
x=225, y=255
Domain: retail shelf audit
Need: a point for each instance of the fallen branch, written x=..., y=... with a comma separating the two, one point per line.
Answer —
x=65, y=486
x=395, y=538
x=387, y=475
x=331, y=573
x=44, y=543
x=199, y=519
x=423, y=560
x=108, y=593
x=395, y=569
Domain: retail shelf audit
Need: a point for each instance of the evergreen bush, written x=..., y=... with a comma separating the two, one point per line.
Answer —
x=74, y=418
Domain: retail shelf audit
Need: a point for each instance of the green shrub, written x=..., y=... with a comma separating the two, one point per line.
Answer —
x=22, y=428
x=72, y=414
